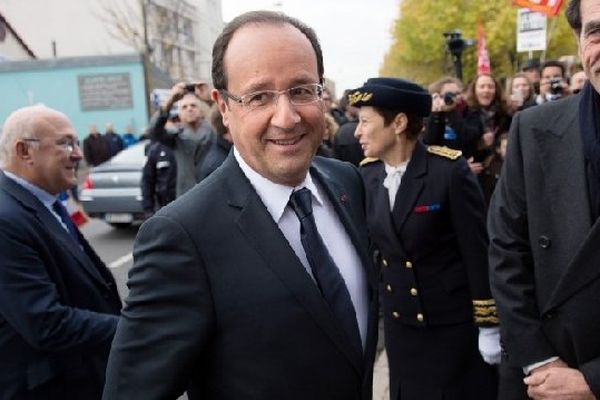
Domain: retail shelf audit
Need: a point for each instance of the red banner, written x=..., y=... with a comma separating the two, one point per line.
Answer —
x=548, y=7
x=483, y=59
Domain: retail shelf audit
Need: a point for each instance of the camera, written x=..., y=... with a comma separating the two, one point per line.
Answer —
x=449, y=98
x=556, y=86
x=190, y=87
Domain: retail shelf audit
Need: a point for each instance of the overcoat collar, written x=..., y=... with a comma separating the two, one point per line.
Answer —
x=564, y=172
x=411, y=186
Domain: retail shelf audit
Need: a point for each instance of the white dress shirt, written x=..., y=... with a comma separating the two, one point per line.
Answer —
x=275, y=197
x=393, y=180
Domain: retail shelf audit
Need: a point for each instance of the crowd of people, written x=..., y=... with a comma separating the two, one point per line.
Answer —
x=464, y=216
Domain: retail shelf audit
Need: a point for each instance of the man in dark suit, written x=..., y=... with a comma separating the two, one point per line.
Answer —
x=58, y=302
x=231, y=292
x=544, y=234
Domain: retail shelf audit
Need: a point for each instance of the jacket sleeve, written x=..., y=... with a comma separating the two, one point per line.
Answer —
x=164, y=325
x=157, y=129
x=149, y=180
x=468, y=218
x=511, y=262
x=31, y=304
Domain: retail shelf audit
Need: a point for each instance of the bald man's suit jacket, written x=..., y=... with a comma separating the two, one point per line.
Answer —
x=545, y=245
x=218, y=298
x=59, y=305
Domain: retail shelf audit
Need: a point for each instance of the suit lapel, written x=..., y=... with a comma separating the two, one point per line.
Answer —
x=62, y=237
x=341, y=202
x=278, y=255
x=411, y=187
x=69, y=244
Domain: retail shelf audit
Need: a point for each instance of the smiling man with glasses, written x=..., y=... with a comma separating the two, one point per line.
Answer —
x=257, y=284
x=59, y=305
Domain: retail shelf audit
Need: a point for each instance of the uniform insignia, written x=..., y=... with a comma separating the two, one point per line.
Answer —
x=368, y=160
x=444, y=151
x=485, y=312
x=359, y=96
x=427, y=208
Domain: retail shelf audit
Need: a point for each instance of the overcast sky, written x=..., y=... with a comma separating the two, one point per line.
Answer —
x=354, y=34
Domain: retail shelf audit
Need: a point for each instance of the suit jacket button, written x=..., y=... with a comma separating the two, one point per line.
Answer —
x=384, y=262
x=388, y=287
x=395, y=314
x=544, y=242
x=414, y=292
x=420, y=317
x=408, y=264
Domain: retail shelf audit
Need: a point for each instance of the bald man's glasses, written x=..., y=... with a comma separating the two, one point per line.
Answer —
x=67, y=144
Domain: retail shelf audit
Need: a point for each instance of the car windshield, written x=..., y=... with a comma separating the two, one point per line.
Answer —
x=131, y=155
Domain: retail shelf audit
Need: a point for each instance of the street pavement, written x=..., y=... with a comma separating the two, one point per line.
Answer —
x=114, y=247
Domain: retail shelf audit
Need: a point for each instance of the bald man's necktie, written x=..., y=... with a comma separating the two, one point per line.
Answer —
x=326, y=273
x=62, y=212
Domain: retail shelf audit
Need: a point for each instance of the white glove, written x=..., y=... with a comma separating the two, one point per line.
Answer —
x=489, y=344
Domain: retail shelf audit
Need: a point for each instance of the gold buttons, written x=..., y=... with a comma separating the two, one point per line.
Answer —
x=414, y=292
x=420, y=317
x=384, y=262
x=395, y=314
x=408, y=264
x=388, y=287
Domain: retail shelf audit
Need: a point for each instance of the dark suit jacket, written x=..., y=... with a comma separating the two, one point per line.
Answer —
x=58, y=305
x=219, y=298
x=544, y=252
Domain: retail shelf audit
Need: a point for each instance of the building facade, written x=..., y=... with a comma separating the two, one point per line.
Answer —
x=179, y=33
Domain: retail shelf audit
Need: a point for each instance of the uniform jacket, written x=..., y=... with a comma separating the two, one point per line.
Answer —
x=544, y=253
x=159, y=177
x=434, y=242
x=219, y=298
x=58, y=305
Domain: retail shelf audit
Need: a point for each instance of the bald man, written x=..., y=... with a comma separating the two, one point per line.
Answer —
x=59, y=305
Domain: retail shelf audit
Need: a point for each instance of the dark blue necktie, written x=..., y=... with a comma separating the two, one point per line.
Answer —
x=326, y=273
x=66, y=219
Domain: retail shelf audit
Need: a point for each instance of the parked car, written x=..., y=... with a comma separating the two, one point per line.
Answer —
x=112, y=191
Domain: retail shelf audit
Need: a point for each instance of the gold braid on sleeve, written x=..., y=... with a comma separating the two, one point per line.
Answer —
x=485, y=312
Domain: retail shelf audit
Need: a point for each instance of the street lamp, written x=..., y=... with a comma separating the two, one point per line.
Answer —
x=455, y=45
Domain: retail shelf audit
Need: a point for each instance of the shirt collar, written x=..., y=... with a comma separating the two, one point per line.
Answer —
x=274, y=195
x=46, y=198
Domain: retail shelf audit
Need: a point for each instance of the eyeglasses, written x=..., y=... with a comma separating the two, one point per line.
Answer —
x=299, y=96
x=67, y=144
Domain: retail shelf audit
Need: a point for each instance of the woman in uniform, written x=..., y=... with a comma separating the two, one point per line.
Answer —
x=425, y=213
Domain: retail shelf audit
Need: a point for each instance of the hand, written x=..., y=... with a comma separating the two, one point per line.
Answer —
x=557, y=381
x=177, y=92
x=439, y=105
x=489, y=345
x=475, y=167
x=487, y=139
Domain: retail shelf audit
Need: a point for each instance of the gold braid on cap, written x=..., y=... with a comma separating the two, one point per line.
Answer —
x=359, y=96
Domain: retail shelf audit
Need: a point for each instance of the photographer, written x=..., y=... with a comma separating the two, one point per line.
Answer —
x=189, y=141
x=553, y=84
x=446, y=125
